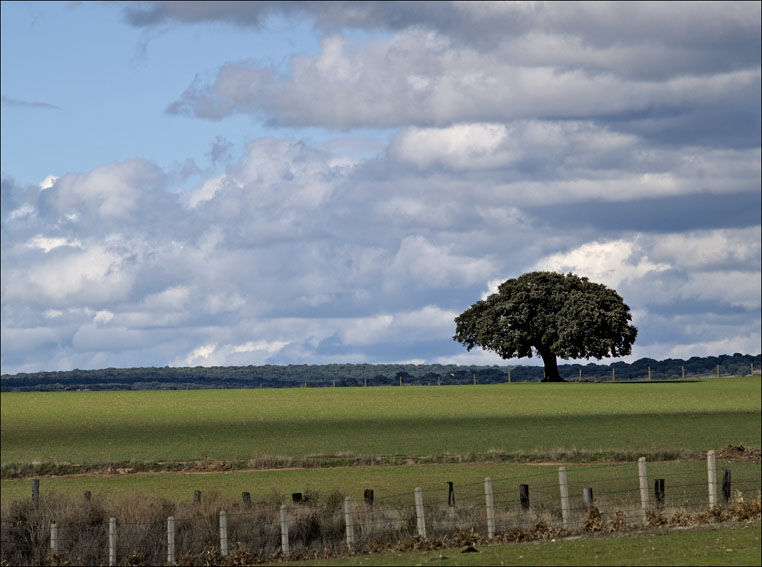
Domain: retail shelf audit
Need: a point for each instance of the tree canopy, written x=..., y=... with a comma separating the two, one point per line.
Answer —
x=551, y=315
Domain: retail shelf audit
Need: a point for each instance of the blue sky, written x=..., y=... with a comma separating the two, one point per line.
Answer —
x=195, y=183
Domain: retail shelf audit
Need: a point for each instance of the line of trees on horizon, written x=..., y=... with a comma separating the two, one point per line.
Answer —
x=325, y=375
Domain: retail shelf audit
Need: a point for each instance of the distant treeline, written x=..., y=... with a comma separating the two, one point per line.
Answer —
x=296, y=375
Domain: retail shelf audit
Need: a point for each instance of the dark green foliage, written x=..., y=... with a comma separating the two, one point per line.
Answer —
x=551, y=315
x=323, y=375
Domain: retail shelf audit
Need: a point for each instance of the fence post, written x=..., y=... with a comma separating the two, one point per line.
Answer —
x=726, y=486
x=643, y=487
x=223, y=533
x=649, y=372
x=419, y=513
x=36, y=492
x=712, y=478
x=580, y=376
x=524, y=496
x=683, y=372
x=350, y=523
x=284, y=529
x=53, y=538
x=171, y=540
x=718, y=371
x=112, y=541
x=196, y=496
x=659, y=492
x=587, y=497
x=490, y=509
x=564, y=496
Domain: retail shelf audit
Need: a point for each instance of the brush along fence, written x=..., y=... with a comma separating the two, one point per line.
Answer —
x=551, y=502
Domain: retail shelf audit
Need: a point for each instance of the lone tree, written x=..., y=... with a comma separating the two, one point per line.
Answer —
x=551, y=315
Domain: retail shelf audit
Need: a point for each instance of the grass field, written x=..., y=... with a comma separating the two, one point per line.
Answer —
x=395, y=484
x=724, y=545
x=425, y=436
x=527, y=418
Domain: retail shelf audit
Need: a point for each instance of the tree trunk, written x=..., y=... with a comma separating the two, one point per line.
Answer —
x=551, y=367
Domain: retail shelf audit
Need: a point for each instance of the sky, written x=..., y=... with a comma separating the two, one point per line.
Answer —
x=233, y=183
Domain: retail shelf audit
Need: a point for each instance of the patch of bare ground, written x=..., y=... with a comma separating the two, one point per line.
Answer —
x=740, y=453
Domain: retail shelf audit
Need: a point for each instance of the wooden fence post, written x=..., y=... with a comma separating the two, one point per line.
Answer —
x=171, y=540
x=712, y=479
x=683, y=372
x=490, y=509
x=419, y=513
x=223, y=533
x=196, y=496
x=246, y=498
x=509, y=376
x=613, y=375
x=112, y=541
x=718, y=371
x=659, y=492
x=726, y=486
x=643, y=478
x=368, y=496
x=524, y=496
x=284, y=529
x=350, y=523
x=36, y=492
x=649, y=373
x=564, y=496
x=53, y=538
x=580, y=376
x=366, y=382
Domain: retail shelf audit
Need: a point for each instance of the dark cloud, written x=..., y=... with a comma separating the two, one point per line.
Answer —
x=667, y=214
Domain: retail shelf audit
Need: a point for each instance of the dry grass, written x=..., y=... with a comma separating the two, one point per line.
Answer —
x=317, y=528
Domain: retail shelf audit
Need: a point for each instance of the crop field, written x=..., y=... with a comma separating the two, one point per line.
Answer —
x=136, y=449
x=596, y=421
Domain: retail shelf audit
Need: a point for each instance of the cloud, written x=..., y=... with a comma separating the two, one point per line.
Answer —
x=445, y=148
x=16, y=103
x=609, y=263
x=425, y=78
x=112, y=191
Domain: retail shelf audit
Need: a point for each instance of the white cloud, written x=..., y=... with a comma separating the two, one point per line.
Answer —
x=48, y=182
x=609, y=263
x=51, y=243
x=112, y=191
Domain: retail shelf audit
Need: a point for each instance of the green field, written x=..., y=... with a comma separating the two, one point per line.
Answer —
x=648, y=418
x=423, y=437
x=725, y=545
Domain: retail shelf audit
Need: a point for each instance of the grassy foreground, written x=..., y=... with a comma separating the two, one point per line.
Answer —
x=596, y=419
x=737, y=544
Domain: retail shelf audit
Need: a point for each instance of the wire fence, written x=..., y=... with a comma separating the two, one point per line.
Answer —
x=562, y=500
